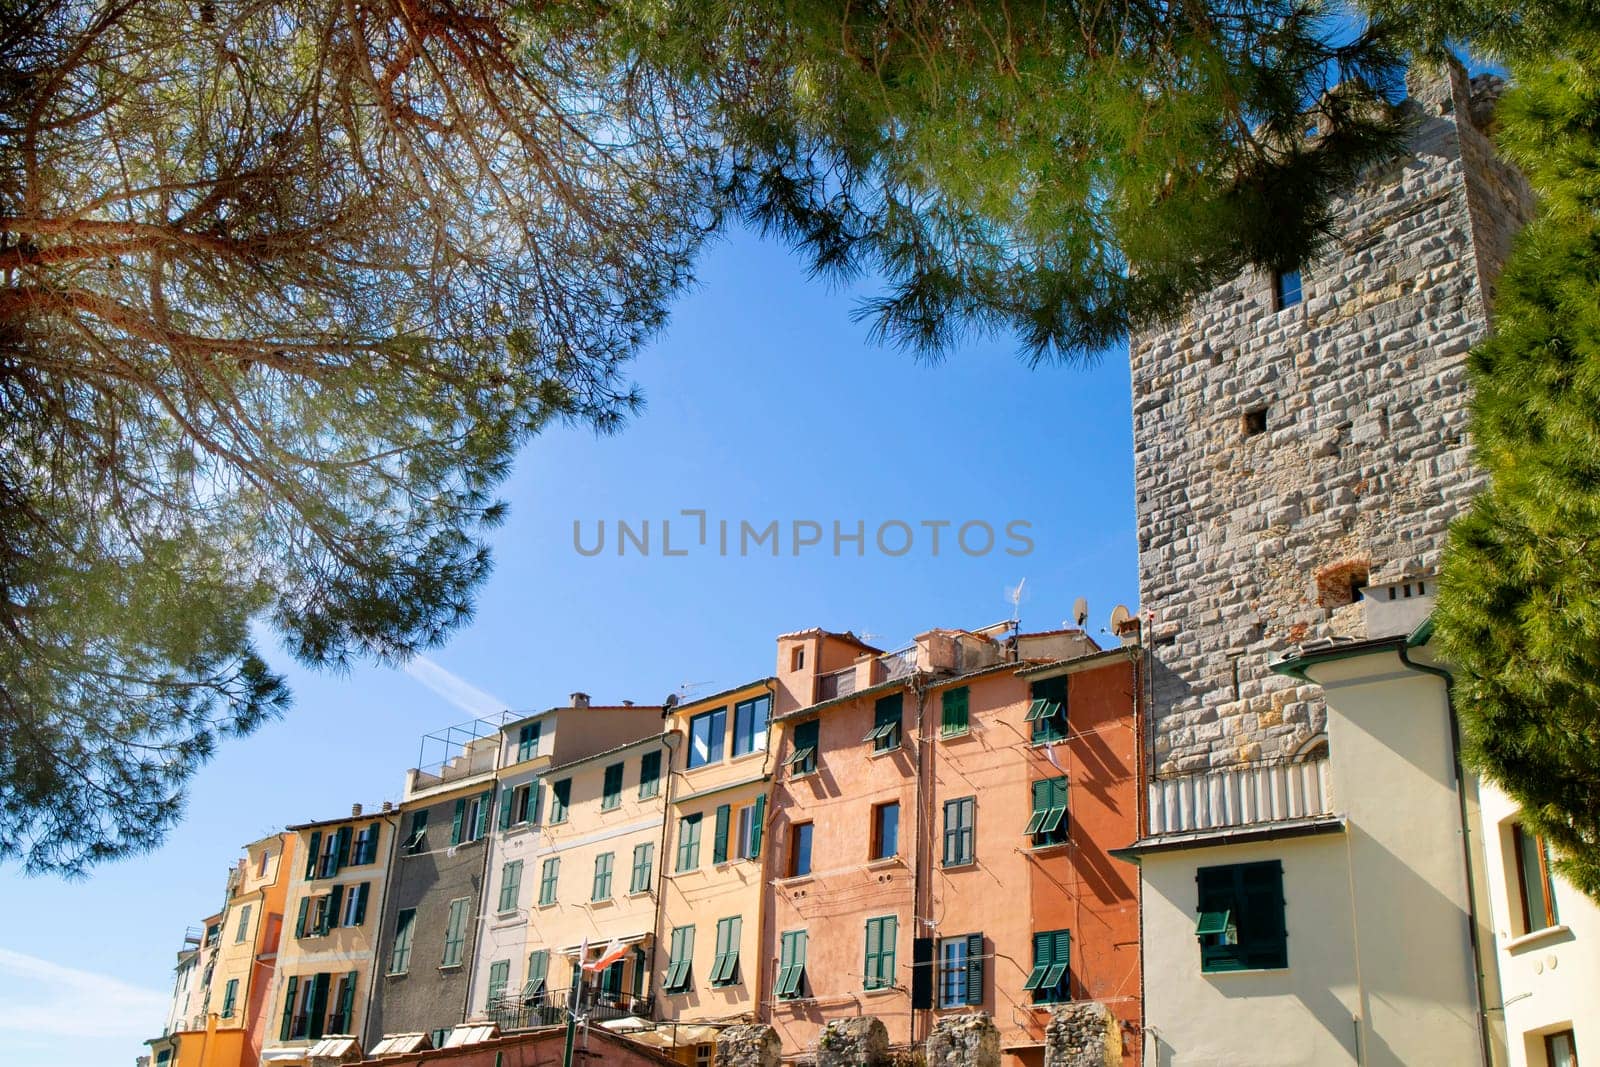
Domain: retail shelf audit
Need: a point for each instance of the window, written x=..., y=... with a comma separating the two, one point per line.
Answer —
x=960, y=830
x=681, y=961
x=510, y=885
x=519, y=805
x=803, y=749
x=725, y=966
x=455, y=933
x=953, y=712
x=1561, y=1049
x=1241, y=923
x=547, y=881
x=881, y=934
x=355, y=905
x=244, y=925
x=471, y=820
x=791, y=966
x=1049, y=980
x=1048, y=824
x=797, y=658
x=419, y=829
x=706, y=732
x=1533, y=875
x=1048, y=711
x=560, y=799
x=747, y=837
x=799, y=849
x=1286, y=289
x=703, y=1055
x=229, y=996
x=602, y=877
x=649, y=775
x=344, y=1013
x=333, y=852
x=960, y=970
x=643, y=861
x=499, y=978
x=404, y=930
x=719, y=836
x=538, y=970
x=261, y=864
x=1253, y=422
x=611, y=794
x=1341, y=582
x=528, y=741
x=689, y=842
x=885, y=831
x=750, y=725
x=885, y=732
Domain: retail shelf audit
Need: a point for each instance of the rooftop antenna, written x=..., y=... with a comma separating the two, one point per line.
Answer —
x=685, y=688
x=1014, y=594
x=1080, y=611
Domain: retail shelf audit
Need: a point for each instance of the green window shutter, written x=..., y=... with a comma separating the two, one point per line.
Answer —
x=341, y=849
x=288, y=1009
x=974, y=968
x=347, y=1003
x=228, y=996
x=756, y=832
x=1048, y=711
x=649, y=774
x=313, y=854
x=505, y=808
x=1041, y=806
x=681, y=961
x=792, y=966
x=547, y=880
x=959, y=830
x=803, y=751
x=689, y=842
x=601, y=889
x=726, y=964
x=538, y=971
x=319, y=1005
x=1060, y=960
x=953, y=712
x=611, y=794
x=331, y=917
x=404, y=931
x=560, y=797
x=886, y=723
x=881, y=935
x=643, y=861
x=455, y=823
x=499, y=977
x=485, y=804
x=300, y=923
x=361, y=902
x=510, y=883
x=535, y=801
x=1043, y=951
x=719, y=843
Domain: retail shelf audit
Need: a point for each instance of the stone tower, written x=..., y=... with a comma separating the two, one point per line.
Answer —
x=1298, y=460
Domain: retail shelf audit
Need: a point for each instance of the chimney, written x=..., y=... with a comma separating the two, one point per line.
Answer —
x=355, y=810
x=388, y=805
x=580, y=700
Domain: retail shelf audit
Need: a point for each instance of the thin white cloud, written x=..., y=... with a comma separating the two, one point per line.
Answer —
x=455, y=689
x=41, y=999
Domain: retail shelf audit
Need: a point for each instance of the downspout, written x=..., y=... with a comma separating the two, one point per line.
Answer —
x=1466, y=846
x=1139, y=661
x=483, y=892
x=921, y=879
x=661, y=877
x=768, y=811
x=393, y=819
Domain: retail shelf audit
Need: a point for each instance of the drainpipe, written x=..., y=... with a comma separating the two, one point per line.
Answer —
x=921, y=861
x=667, y=746
x=1466, y=846
x=759, y=1012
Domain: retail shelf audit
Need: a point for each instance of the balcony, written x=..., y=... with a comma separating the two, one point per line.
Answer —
x=550, y=1008
x=836, y=684
x=1241, y=796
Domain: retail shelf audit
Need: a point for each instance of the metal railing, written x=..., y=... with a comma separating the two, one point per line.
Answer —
x=1242, y=795
x=550, y=1008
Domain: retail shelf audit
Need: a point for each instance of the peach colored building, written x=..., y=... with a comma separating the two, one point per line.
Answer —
x=335, y=888
x=886, y=761
x=708, y=954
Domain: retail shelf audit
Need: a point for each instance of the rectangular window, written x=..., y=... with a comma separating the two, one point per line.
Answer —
x=538, y=971
x=953, y=712
x=1050, y=980
x=328, y=862
x=611, y=795
x=649, y=775
x=547, y=881
x=528, y=741
x=340, y=1022
x=471, y=820
x=499, y=978
x=881, y=934
x=560, y=799
x=885, y=831
x=355, y=905
x=689, y=842
x=366, y=846
x=960, y=970
x=681, y=961
x=1048, y=824
x=510, y=885
x=1561, y=1049
x=229, y=996
x=522, y=804
x=960, y=830
x=643, y=863
x=602, y=877
x=1048, y=711
x=803, y=751
x=244, y=925
x=744, y=845
x=791, y=966
x=725, y=967
x=455, y=933
x=419, y=830
x=1286, y=289
x=1533, y=875
x=706, y=735
x=799, y=849
x=886, y=716
x=404, y=929
x=750, y=725
x=1242, y=925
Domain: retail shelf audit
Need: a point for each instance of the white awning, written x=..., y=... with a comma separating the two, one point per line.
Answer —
x=400, y=1044
x=333, y=1048
x=282, y=1055
x=471, y=1034
x=599, y=943
x=666, y=1035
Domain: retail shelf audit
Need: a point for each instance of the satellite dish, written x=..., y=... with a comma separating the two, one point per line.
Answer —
x=1080, y=610
x=670, y=703
x=1119, y=618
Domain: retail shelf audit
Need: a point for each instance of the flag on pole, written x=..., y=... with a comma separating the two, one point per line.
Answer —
x=611, y=954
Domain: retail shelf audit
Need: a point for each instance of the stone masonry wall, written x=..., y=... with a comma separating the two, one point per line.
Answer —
x=1249, y=541
x=971, y=1040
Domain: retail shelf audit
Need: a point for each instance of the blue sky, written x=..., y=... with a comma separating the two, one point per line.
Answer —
x=765, y=402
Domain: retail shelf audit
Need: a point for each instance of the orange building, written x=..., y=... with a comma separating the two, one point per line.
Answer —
x=913, y=792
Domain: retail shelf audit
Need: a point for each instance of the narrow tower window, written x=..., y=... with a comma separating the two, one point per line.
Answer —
x=1286, y=288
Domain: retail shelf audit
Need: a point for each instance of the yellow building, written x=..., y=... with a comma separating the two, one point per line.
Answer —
x=707, y=964
x=318, y=995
